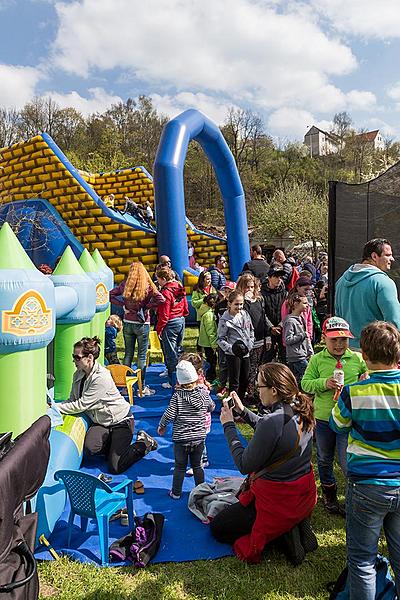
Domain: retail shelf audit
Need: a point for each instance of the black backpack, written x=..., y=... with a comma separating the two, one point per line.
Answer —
x=141, y=544
x=20, y=478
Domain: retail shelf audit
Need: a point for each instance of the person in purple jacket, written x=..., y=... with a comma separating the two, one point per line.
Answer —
x=139, y=295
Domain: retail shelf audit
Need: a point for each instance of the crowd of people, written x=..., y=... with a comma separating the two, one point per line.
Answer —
x=282, y=364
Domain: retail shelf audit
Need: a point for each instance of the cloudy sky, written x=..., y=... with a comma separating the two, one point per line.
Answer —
x=295, y=63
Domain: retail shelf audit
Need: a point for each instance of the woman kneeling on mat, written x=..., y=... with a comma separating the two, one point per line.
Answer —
x=95, y=394
x=281, y=494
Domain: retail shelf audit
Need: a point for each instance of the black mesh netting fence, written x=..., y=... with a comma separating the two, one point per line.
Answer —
x=358, y=213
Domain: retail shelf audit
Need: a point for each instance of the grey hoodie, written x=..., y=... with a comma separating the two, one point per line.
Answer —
x=298, y=345
x=232, y=329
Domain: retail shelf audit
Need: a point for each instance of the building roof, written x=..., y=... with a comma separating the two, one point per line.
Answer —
x=332, y=136
x=368, y=136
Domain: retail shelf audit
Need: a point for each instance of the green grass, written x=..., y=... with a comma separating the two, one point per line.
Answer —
x=227, y=578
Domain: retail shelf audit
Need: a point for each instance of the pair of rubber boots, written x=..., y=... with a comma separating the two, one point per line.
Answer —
x=330, y=500
x=298, y=541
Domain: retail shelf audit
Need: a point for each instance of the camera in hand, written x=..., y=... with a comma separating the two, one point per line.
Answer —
x=230, y=402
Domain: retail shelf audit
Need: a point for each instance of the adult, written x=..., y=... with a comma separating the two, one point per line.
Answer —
x=274, y=294
x=257, y=266
x=254, y=304
x=281, y=262
x=282, y=492
x=139, y=295
x=165, y=263
x=309, y=266
x=171, y=320
x=95, y=395
x=202, y=288
x=218, y=278
x=365, y=292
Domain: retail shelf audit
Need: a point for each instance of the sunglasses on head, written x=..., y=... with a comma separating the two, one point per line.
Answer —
x=78, y=356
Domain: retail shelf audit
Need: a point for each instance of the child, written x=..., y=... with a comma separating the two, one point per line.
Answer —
x=187, y=410
x=369, y=412
x=113, y=326
x=236, y=339
x=220, y=307
x=297, y=342
x=208, y=334
x=197, y=361
x=318, y=380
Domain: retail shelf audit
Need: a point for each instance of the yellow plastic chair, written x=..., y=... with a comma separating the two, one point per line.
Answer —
x=124, y=376
x=154, y=346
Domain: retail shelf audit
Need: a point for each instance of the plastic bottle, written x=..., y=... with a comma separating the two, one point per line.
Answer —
x=338, y=375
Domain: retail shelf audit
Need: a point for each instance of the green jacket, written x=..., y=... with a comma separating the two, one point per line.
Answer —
x=208, y=329
x=320, y=369
x=197, y=300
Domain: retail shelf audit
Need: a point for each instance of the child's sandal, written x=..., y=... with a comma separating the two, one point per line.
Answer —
x=138, y=487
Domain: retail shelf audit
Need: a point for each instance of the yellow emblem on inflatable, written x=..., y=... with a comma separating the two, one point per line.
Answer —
x=101, y=294
x=29, y=316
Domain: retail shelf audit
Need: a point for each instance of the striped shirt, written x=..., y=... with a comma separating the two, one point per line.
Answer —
x=370, y=411
x=187, y=411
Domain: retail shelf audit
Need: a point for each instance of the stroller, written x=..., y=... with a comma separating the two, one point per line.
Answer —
x=23, y=466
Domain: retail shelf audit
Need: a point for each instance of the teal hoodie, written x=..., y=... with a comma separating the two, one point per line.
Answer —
x=365, y=294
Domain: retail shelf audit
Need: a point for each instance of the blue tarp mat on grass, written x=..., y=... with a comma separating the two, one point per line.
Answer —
x=184, y=538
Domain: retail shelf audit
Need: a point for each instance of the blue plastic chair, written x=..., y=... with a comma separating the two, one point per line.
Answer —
x=92, y=498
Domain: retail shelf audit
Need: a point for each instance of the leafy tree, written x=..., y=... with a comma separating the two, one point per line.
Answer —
x=296, y=208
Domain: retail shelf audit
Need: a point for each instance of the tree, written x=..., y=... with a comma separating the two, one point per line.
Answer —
x=296, y=208
x=342, y=123
x=242, y=129
x=9, y=133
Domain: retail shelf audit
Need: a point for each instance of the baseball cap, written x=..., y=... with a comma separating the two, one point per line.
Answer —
x=185, y=372
x=276, y=272
x=230, y=285
x=336, y=327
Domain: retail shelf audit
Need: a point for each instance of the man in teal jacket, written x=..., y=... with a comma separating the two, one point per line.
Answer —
x=365, y=293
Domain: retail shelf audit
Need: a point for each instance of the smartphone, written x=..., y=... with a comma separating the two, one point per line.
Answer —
x=230, y=401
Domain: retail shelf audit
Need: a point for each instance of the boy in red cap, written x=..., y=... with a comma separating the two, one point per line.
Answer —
x=319, y=380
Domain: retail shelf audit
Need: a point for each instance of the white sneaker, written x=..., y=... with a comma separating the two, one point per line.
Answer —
x=166, y=385
x=148, y=391
x=164, y=373
x=189, y=472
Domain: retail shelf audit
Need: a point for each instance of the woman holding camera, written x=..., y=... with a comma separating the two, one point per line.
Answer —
x=281, y=491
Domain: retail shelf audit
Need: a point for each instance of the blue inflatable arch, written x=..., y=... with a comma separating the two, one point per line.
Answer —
x=169, y=189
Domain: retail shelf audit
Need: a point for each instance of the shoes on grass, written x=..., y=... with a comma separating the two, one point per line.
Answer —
x=148, y=391
x=149, y=442
x=307, y=536
x=292, y=546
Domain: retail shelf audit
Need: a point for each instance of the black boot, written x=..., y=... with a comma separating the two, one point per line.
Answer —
x=293, y=547
x=329, y=498
x=307, y=536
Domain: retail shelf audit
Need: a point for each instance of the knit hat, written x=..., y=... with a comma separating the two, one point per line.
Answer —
x=336, y=327
x=304, y=281
x=185, y=372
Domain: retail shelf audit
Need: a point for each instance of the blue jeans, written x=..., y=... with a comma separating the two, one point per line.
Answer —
x=368, y=508
x=298, y=369
x=327, y=440
x=171, y=339
x=182, y=453
x=136, y=332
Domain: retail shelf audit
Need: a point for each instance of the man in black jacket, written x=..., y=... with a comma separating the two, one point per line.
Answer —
x=257, y=266
x=274, y=294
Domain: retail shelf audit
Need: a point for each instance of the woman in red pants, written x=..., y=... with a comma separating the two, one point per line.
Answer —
x=282, y=492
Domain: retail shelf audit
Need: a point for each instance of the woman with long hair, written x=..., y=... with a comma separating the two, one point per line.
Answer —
x=139, y=294
x=95, y=395
x=202, y=289
x=254, y=305
x=171, y=320
x=281, y=494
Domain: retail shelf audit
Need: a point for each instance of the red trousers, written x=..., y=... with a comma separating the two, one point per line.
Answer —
x=279, y=506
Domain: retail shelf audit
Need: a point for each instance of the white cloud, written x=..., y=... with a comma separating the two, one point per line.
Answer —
x=98, y=100
x=371, y=18
x=243, y=49
x=17, y=85
x=394, y=91
x=214, y=109
x=361, y=100
x=290, y=122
